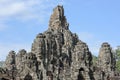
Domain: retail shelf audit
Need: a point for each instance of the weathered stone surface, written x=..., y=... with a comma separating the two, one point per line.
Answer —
x=106, y=58
x=106, y=63
x=58, y=20
x=58, y=54
x=10, y=61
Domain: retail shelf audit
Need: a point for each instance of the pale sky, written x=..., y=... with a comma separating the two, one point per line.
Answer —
x=95, y=21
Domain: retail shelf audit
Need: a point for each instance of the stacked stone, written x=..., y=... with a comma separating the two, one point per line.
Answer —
x=82, y=61
x=58, y=54
x=56, y=47
x=106, y=62
x=10, y=62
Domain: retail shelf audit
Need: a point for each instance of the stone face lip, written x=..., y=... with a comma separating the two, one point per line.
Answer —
x=58, y=54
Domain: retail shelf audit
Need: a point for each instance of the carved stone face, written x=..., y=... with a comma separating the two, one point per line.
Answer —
x=105, y=57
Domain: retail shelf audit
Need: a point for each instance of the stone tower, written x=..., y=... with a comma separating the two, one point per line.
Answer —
x=58, y=54
x=61, y=54
x=10, y=61
x=106, y=62
x=105, y=58
x=57, y=19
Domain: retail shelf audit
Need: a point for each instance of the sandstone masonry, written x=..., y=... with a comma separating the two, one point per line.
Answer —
x=58, y=54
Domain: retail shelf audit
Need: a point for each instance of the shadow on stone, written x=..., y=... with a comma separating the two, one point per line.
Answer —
x=80, y=75
x=28, y=77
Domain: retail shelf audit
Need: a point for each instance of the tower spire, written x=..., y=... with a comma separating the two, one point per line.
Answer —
x=57, y=19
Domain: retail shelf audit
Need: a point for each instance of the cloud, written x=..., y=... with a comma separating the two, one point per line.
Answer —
x=29, y=8
x=95, y=47
x=22, y=11
x=93, y=43
x=2, y=27
x=5, y=48
x=11, y=9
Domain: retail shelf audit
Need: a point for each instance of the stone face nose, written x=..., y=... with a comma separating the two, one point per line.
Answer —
x=57, y=19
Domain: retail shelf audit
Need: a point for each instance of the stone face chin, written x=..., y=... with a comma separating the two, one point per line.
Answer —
x=58, y=54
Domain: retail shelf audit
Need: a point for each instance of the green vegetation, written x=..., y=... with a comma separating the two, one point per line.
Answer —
x=94, y=59
x=1, y=63
x=118, y=59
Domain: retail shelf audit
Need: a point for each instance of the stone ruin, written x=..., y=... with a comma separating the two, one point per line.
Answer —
x=105, y=67
x=58, y=54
